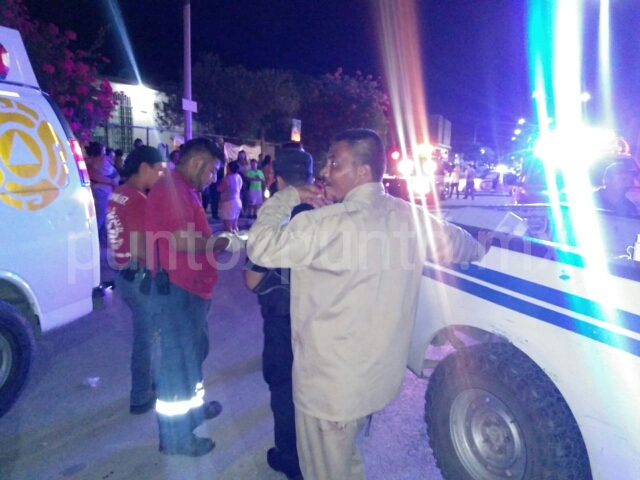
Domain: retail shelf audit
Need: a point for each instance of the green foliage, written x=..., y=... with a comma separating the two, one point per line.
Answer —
x=238, y=102
x=334, y=103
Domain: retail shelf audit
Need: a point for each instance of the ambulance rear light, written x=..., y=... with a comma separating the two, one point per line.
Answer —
x=4, y=62
x=80, y=163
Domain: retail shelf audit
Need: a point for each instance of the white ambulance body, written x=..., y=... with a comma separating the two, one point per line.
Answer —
x=49, y=257
x=544, y=380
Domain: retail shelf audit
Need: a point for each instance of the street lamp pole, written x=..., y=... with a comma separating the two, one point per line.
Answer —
x=187, y=68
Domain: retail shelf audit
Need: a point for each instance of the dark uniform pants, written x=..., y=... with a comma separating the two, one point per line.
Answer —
x=184, y=345
x=277, y=362
x=144, y=332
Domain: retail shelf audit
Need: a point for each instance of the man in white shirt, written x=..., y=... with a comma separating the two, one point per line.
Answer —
x=356, y=270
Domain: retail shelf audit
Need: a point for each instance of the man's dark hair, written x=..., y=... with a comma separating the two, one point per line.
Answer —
x=110, y=150
x=295, y=167
x=94, y=149
x=119, y=152
x=199, y=146
x=265, y=161
x=367, y=148
x=140, y=155
x=138, y=140
x=234, y=167
x=292, y=146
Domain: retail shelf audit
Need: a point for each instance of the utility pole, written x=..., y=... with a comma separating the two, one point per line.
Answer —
x=188, y=112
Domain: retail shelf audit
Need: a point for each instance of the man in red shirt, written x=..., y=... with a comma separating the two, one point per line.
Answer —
x=126, y=227
x=181, y=252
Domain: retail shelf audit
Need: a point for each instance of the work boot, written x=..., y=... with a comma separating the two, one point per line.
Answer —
x=192, y=447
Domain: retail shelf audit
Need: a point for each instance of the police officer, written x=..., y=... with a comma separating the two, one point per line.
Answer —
x=181, y=247
x=292, y=167
x=126, y=227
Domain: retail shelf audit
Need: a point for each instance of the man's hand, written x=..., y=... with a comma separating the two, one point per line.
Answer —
x=313, y=196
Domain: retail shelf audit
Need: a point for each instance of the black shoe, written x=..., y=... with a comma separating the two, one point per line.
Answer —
x=144, y=408
x=212, y=410
x=193, y=447
x=275, y=462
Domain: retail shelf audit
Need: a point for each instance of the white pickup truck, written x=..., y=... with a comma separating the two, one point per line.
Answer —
x=49, y=257
x=543, y=381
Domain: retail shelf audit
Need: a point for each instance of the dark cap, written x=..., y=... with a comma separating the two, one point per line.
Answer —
x=621, y=168
x=140, y=155
x=293, y=161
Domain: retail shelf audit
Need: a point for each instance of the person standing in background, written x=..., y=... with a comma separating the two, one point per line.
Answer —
x=470, y=186
x=104, y=178
x=126, y=228
x=256, y=181
x=455, y=182
x=230, y=189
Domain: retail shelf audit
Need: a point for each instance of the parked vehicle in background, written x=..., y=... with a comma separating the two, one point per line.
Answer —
x=49, y=263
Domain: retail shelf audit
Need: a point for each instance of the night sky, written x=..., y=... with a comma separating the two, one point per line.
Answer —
x=475, y=51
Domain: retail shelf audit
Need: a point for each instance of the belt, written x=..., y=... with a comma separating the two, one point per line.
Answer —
x=129, y=273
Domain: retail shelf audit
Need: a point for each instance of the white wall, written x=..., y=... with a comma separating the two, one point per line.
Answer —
x=143, y=101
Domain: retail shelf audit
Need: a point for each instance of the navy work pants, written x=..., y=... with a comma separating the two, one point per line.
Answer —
x=277, y=363
x=184, y=345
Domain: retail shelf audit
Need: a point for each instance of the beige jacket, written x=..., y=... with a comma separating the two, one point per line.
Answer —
x=356, y=269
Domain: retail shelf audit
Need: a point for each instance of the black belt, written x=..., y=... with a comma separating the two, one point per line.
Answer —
x=129, y=274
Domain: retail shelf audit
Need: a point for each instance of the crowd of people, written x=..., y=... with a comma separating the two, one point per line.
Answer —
x=331, y=358
x=238, y=190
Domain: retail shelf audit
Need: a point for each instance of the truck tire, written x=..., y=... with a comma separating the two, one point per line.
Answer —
x=17, y=347
x=493, y=414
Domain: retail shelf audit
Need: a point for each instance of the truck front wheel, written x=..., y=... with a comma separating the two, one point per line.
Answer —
x=493, y=414
x=17, y=346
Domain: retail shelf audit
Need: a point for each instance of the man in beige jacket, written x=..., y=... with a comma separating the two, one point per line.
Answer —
x=356, y=269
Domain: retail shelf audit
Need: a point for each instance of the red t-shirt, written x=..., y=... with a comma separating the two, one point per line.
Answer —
x=125, y=214
x=174, y=204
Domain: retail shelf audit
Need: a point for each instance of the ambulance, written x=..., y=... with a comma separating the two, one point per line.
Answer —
x=49, y=255
x=533, y=354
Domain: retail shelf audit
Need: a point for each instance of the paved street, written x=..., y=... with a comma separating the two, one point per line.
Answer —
x=64, y=428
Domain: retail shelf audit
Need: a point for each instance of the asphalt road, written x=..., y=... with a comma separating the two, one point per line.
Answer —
x=72, y=421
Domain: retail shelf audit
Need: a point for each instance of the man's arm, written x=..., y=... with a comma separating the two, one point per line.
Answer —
x=447, y=243
x=252, y=279
x=190, y=241
x=274, y=245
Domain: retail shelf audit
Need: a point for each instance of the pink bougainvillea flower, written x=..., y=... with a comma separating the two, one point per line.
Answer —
x=47, y=68
x=70, y=35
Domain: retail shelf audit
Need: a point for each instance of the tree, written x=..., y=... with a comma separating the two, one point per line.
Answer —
x=235, y=101
x=334, y=103
x=69, y=76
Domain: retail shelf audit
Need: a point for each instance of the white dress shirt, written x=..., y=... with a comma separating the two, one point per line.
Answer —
x=356, y=269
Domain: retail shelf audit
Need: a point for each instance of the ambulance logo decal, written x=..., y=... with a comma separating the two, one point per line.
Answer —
x=33, y=167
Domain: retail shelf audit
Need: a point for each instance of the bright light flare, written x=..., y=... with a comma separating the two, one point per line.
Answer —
x=430, y=167
x=522, y=121
x=420, y=185
x=501, y=169
x=406, y=167
x=395, y=155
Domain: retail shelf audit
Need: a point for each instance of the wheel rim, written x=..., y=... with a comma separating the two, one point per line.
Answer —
x=6, y=359
x=486, y=436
